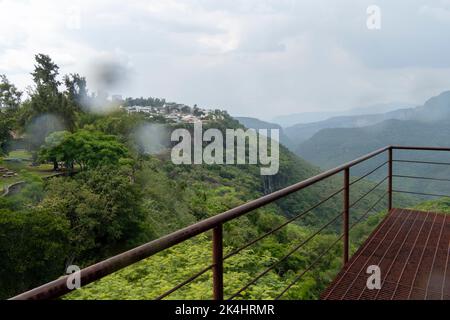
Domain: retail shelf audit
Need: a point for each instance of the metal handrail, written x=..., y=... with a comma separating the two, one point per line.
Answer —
x=291, y=252
x=99, y=270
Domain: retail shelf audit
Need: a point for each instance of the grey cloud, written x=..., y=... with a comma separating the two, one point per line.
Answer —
x=252, y=57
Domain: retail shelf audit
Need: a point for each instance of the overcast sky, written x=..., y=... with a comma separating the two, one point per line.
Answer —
x=250, y=57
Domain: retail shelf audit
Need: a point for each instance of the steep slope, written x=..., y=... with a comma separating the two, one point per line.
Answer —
x=215, y=189
x=429, y=125
x=254, y=123
x=435, y=109
x=167, y=197
x=424, y=125
x=330, y=147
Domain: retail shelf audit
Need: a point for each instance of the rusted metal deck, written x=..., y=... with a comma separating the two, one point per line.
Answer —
x=411, y=249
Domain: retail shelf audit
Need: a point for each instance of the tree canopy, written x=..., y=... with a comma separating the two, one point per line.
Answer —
x=10, y=96
x=88, y=149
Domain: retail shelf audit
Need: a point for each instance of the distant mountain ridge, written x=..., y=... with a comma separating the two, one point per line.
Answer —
x=434, y=109
x=309, y=117
x=302, y=132
x=253, y=123
x=424, y=125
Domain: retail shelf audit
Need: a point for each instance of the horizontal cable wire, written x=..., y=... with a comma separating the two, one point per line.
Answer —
x=329, y=248
x=203, y=271
x=296, y=248
x=231, y=254
x=367, y=193
x=282, y=225
x=309, y=268
x=424, y=162
x=368, y=211
x=422, y=194
x=179, y=286
x=369, y=173
x=419, y=177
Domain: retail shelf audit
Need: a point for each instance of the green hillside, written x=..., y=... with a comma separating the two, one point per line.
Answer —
x=330, y=147
x=123, y=190
x=435, y=109
x=427, y=125
x=304, y=131
x=333, y=146
x=155, y=197
x=214, y=190
x=254, y=123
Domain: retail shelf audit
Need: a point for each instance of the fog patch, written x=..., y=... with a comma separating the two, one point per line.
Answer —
x=100, y=104
x=108, y=76
x=41, y=127
x=151, y=138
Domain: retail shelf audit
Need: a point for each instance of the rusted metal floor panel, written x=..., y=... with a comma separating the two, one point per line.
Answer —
x=412, y=250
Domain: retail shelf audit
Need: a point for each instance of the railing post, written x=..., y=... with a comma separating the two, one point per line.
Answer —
x=346, y=213
x=390, y=180
x=217, y=242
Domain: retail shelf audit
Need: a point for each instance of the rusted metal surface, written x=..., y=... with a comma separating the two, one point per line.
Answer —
x=390, y=167
x=218, y=263
x=95, y=272
x=368, y=173
x=420, y=148
x=346, y=218
x=277, y=262
x=412, y=250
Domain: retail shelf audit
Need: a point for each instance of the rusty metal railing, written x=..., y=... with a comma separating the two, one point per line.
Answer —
x=99, y=270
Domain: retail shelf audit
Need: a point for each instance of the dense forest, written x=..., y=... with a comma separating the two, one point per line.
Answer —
x=114, y=194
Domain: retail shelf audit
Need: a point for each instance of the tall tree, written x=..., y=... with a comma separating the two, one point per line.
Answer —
x=45, y=73
x=76, y=91
x=10, y=96
x=51, y=150
x=47, y=105
x=75, y=98
x=88, y=149
x=46, y=97
x=10, y=99
x=5, y=133
x=33, y=243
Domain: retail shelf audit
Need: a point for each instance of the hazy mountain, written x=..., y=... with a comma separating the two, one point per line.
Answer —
x=255, y=123
x=302, y=132
x=425, y=125
x=379, y=108
x=435, y=109
x=304, y=117
x=308, y=117
x=331, y=147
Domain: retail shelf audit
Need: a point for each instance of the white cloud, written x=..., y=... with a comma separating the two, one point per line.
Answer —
x=253, y=57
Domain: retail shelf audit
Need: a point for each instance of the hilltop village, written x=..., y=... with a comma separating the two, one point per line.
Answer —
x=170, y=111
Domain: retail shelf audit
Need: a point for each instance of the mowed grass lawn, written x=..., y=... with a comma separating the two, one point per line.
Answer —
x=21, y=165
